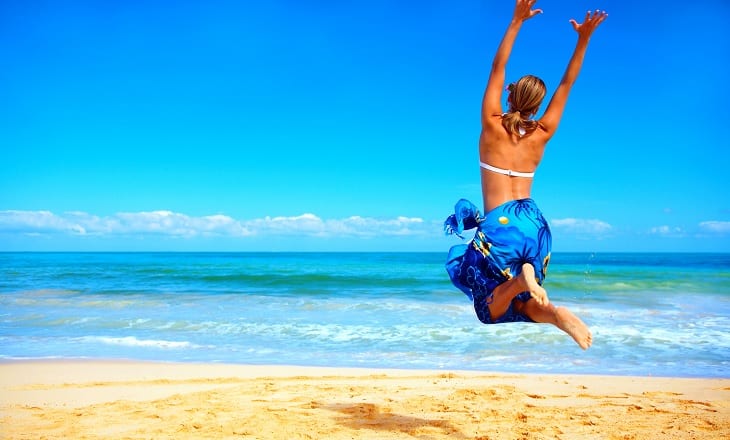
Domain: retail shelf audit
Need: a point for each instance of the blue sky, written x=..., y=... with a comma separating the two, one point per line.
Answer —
x=325, y=125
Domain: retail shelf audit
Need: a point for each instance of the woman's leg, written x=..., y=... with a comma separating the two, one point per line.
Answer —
x=560, y=317
x=503, y=295
x=539, y=310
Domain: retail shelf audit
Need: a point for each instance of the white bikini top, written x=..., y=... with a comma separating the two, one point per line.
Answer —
x=510, y=173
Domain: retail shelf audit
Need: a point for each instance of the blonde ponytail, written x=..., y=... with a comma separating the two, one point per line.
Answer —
x=525, y=96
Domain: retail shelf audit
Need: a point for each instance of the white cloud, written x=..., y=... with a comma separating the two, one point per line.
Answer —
x=310, y=224
x=581, y=226
x=667, y=231
x=176, y=224
x=717, y=227
x=181, y=225
x=155, y=222
x=39, y=222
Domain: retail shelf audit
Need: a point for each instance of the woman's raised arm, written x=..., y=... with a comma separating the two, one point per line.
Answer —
x=492, y=102
x=551, y=118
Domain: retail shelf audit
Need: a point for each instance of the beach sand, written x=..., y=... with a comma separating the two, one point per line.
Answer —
x=120, y=399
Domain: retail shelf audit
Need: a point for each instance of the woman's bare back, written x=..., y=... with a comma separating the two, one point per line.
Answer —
x=500, y=149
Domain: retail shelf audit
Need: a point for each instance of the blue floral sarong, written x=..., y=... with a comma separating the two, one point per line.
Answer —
x=510, y=235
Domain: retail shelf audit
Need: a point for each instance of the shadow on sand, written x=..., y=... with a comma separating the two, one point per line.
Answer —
x=370, y=416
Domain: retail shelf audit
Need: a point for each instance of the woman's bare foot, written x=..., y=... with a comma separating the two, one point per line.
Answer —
x=573, y=326
x=536, y=291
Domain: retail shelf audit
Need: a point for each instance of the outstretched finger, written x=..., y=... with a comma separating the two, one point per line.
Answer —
x=598, y=17
x=535, y=12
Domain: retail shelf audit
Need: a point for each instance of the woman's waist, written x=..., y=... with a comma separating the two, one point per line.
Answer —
x=498, y=202
x=498, y=190
x=511, y=208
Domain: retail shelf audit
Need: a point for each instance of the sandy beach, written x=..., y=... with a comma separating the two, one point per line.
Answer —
x=121, y=399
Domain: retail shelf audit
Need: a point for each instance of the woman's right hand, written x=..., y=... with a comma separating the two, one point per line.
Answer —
x=524, y=11
x=590, y=23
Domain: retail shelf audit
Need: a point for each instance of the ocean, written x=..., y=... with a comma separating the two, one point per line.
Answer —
x=651, y=314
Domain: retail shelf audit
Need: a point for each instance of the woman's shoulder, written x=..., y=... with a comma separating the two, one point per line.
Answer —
x=493, y=132
x=492, y=137
x=493, y=126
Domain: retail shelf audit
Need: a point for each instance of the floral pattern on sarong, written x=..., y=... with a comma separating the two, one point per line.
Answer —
x=509, y=236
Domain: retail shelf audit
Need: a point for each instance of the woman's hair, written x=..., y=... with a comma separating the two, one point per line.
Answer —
x=525, y=97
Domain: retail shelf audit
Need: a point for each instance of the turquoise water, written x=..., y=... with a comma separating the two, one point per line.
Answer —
x=651, y=314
